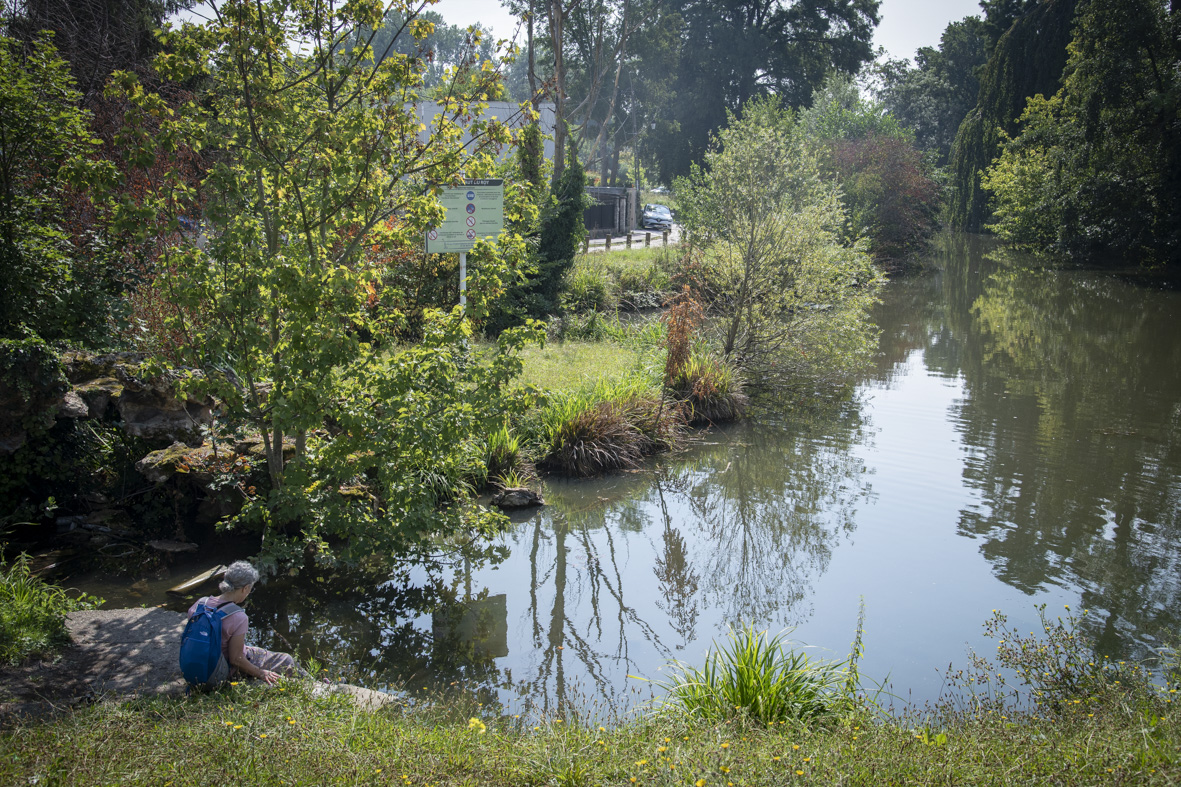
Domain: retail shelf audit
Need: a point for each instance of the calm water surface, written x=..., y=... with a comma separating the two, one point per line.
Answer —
x=1017, y=443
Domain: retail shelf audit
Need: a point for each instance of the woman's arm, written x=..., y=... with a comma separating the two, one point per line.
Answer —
x=237, y=648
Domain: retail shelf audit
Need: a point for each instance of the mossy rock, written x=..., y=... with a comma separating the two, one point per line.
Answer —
x=32, y=383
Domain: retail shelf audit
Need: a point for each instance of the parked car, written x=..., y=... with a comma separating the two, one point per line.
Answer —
x=657, y=217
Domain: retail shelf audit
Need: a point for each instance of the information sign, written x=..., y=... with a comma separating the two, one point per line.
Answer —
x=473, y=211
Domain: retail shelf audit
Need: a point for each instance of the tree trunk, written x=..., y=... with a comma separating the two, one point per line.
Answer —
x=555, y=34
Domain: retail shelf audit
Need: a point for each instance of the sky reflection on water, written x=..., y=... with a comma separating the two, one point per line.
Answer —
x=1016, y=443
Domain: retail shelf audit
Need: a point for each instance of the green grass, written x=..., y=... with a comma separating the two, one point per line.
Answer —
x=33, y=613
x=575, y=364
x=1120, y=726
x=250, y=735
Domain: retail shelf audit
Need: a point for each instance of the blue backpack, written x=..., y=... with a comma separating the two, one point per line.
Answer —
x=201, y=660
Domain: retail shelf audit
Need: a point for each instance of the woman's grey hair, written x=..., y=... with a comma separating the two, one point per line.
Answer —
x=238, y=575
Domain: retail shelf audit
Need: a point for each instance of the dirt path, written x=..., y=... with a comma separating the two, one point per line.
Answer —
x=121, y=652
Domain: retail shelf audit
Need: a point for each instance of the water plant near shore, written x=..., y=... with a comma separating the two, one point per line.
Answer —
x=610, y=425
x=763, y=677
x=710, y=388
x=33, y=613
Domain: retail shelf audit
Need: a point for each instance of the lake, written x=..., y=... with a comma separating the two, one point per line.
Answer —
x=1016, y=443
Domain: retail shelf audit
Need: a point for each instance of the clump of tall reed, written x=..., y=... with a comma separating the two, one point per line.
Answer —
x=761, y=676
x=611, y=425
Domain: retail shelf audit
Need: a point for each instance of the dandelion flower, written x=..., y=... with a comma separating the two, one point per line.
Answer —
x=725, y=745
x=799, y=773
x=699, y=783
x=775, y=759
x=795, y=746
x=662, y=749
x=477, y=725
x=725, y=769
x=237, y=726
x=263, y=735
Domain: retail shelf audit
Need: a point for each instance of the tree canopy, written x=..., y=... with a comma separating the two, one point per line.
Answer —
x=736, y=50
x=1096, y=168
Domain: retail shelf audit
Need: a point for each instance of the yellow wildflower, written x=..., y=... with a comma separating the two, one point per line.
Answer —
x=477, y=725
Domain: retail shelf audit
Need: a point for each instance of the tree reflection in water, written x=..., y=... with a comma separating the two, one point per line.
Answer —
x=1072, y=420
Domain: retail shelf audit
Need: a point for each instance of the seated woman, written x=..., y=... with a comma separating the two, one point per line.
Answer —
x=244, y=659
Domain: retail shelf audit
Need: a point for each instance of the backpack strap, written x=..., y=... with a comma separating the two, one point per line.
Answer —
x=229, y=609
x=225, y=610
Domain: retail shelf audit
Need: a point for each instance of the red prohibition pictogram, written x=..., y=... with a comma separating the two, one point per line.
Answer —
x=433, y=234
x=471, y=234
x=471, y=221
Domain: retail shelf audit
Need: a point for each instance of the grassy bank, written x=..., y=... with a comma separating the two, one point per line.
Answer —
x=252, y=735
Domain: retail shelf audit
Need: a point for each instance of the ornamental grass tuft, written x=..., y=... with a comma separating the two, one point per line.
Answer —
x=760, y=676
x=612, y=425
x=711, y=390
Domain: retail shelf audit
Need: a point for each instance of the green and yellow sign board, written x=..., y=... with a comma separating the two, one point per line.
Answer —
x=473, y=211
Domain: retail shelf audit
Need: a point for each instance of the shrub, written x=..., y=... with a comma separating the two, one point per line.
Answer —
x=759, y=676
x=32, y=613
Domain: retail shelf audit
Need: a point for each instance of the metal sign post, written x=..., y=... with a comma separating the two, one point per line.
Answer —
x=472, y=212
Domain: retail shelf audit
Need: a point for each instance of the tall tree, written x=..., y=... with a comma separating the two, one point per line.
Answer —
x=316, y=158
x=792, y=299
x=1097, y=168
x=96, y=37
x=735, y=50
x=1028, y=59
x=934, y=96
x=46, y=285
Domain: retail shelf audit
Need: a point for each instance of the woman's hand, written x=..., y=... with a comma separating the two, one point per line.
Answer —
x=268, y=677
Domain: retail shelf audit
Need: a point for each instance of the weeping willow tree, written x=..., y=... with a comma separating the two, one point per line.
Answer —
x=1028, y=60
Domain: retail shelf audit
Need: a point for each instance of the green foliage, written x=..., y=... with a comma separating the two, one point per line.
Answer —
x=504, y=456
x=1027, y=60
x=315, y=164
x=53, y=280
x=933, y=97
x=1094, y=170
x=793, y=300
x=1057, y=672
x=589, y=286
x=734, y=51
x=759, y=676
x=33, y=613
x=889, y=192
